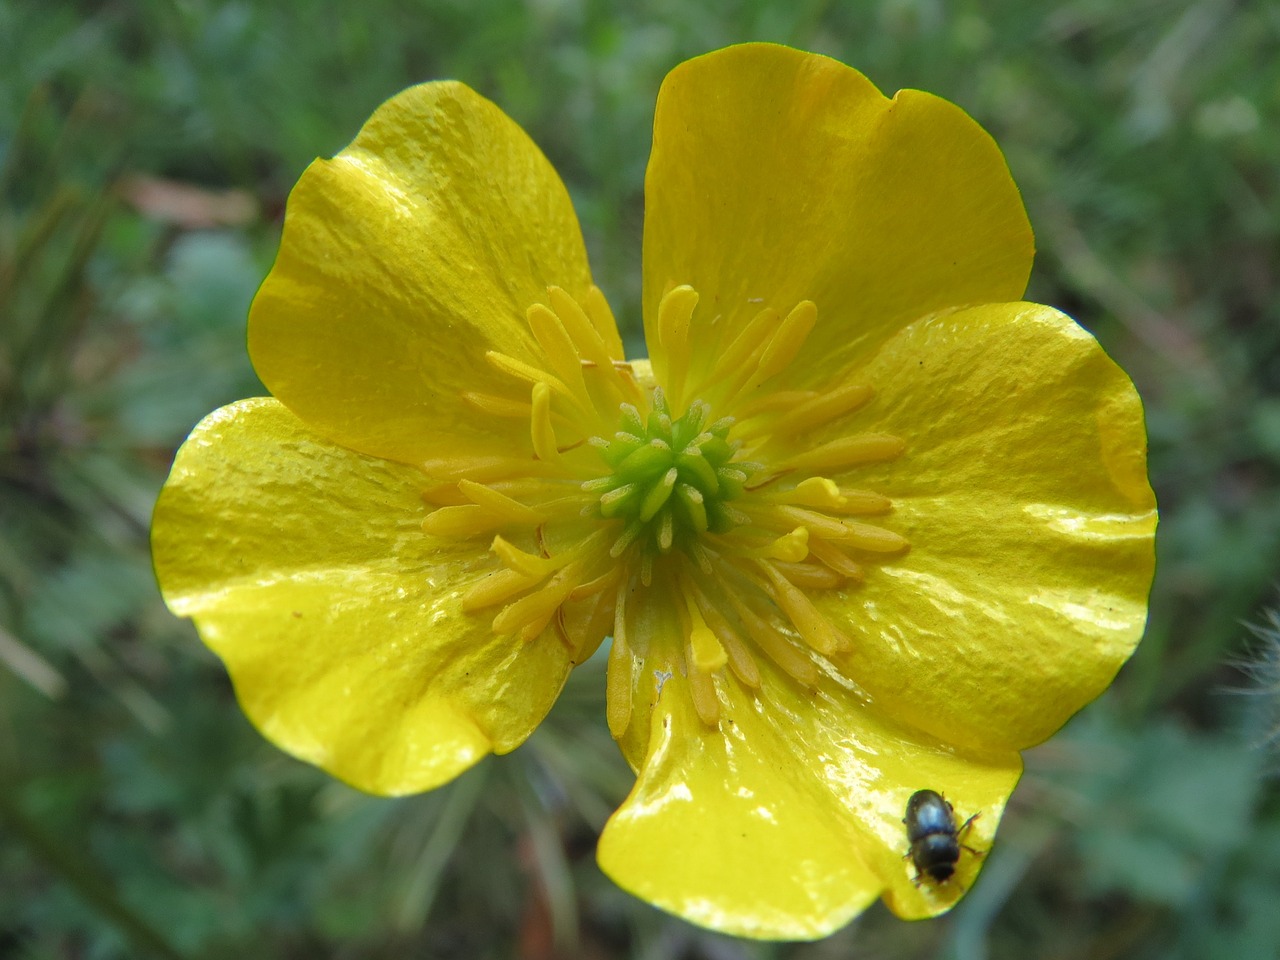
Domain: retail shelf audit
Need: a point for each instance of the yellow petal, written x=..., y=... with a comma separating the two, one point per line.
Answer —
x=305, y=569
x=787, y=821
x=1024, y=495
x=779, y=176
x=404, y=259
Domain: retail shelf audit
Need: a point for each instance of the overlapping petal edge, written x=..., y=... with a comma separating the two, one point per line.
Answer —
x=1023, y=494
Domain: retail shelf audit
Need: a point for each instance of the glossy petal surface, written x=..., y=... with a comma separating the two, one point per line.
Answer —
x=404, y=259
x=786, y=822
x=779, y=176
x=306, y=570
x=1024, y=495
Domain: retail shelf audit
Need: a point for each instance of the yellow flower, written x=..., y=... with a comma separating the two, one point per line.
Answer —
x=864, y=523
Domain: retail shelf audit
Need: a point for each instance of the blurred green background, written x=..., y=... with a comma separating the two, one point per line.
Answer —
x=146, y=150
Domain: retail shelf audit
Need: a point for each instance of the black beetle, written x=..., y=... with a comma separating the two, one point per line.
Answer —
x=934, y=836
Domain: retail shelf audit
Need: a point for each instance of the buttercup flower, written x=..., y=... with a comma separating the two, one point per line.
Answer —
x=862, y=524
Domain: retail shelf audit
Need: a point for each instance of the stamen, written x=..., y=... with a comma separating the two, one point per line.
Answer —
x=681, y=513
x=620, y=673
x=527, y=564
x=816, y=629
x=741, y=662
x=813, y=492
x=739, y=358
x=785, y=342
x=702, y=690
x=528, y=373
x=871, y=538
x=512, y=511
x=864, y=536
x=792, y=547
x=790, y=659
x=602, y=319
x=488, y=469
x=596, y=627
x=559, y=349
x=863, y=502
x=708, y=654
x=775, y=401
x=461, y=522
x=589, y=343
x=443, y=495
x=497, y=406
x=497, y=587
x=836, y=559
x=822, y=408
x=530, y=615
x=675, y=311
x=846, y=452
x=540, y=429
x=809, y=576
x=598, y=585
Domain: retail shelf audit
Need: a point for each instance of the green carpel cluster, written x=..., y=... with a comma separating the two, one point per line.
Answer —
x=671, y=479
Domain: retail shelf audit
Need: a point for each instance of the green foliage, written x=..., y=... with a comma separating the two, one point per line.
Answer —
x=140, y=812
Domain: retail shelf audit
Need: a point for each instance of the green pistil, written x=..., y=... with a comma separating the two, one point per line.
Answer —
x=671, y=479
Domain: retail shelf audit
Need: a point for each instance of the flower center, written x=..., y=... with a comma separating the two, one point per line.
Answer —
x=634, y=501
x=671, y=480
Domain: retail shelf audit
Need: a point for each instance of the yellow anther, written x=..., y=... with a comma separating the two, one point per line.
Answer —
x=620, y=673
x=875, y=539
x=601, y=583
x=602, y=319
x=495, y=588
x=535, y=610
x=526, y=372
x=816, y=629
x=787, y=340
x=540, y=428
x=847, y=452
x=702, y=691
x=863, y=502
x=836, y=559
x=823, y=408
x=499, y=503
x=741, y=662
x=708, y=654
x=484, y=469
x=461, y=521
x=792, y=547
x=814, y=492
x=809, y=576
x=585, y=336
x=497, y=406
x=675, y=312
x=526, y=564
x=559, y=349
x=750, y=341
x=791, y=659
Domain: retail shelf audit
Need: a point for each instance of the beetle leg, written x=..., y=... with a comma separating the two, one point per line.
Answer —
x=964, y=828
